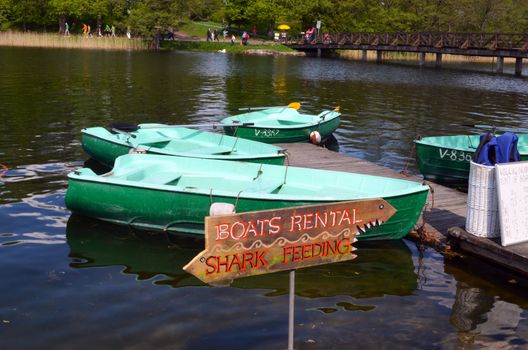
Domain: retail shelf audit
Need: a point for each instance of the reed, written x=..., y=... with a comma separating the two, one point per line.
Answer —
x=411, y=56
x=49, y=40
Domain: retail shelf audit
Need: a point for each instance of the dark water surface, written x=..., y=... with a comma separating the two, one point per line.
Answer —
x=75, y=283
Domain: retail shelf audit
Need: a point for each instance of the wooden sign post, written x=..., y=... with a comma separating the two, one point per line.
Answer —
x=255, y=243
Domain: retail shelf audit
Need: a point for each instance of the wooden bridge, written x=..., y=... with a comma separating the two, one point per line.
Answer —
x=499, y=45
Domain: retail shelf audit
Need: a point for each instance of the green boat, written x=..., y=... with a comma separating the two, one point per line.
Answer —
x=445, y=159
x=105, y=146
x=282, y=124
x=174, y=193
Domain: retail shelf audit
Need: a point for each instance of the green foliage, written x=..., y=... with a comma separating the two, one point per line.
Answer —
x=5, y=10
x=152, y=18
x=149, y=17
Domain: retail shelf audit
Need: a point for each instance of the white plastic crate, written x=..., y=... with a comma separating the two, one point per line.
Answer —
x=482, y=217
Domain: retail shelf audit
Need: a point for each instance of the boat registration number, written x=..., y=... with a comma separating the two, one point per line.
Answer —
x=266, y=132
x=454, y=155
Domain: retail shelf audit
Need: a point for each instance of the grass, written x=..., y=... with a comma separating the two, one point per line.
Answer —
x=71, y=42
x=216, y=46
x=199, y=29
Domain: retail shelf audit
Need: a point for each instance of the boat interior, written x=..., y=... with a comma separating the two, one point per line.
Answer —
x=157, y=175
x=469, y=142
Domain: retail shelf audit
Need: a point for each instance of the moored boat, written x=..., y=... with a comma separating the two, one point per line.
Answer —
x=173, y=193
x=446, y=159
x=105, y=146
x=282, y=124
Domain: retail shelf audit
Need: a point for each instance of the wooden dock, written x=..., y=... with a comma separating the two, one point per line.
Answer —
x=444, y=217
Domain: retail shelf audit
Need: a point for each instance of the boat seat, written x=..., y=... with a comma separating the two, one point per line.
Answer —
x=289, y=122
x=161, y=178
x=212, y=150
x=264, y=186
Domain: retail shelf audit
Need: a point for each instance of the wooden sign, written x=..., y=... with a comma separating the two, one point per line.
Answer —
x=254, y=243
x=512, y=194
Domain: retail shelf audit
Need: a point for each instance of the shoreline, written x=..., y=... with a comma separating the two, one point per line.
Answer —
x=188, y=43
x=53, y=40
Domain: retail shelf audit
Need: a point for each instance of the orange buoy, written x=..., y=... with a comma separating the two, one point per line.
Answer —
x=315, y=137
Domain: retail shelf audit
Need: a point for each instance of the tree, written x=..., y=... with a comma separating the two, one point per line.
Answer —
x=26, y=12
x=236, y=12
x=151, y=18
x=61, y=9
x=5, y=11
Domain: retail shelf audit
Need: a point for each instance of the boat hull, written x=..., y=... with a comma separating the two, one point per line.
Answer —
x=283, y=135
x=446, y=164
x=106, y=151
x=183, y=210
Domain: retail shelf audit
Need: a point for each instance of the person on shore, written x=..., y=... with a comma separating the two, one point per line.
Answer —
x=245, y=37
x=66, y=29
x=89, y=31
x=233, y=39
x=107, y=30
x=128, y=33
x=215, y=35
x=224, y=33
x=254, y=31
x=112, y=29
x=208, y=34
x=85, y=29
x=99, y=32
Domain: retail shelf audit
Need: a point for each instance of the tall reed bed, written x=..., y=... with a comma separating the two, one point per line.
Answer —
x=70, y=42
x=411, y=56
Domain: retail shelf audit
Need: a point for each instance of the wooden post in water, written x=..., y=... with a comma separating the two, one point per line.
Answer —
x=422, y=59
x=500, y=65
x=438, y=63
x=518, y=66
x=379, y=56
x=364, y=56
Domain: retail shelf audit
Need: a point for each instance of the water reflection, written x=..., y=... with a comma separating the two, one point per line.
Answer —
x=372, y=274
x=478, y=314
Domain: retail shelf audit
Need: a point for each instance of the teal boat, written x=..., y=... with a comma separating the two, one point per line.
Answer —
x=445, y=159
x=282, y=124
x=174, y=193
x=105, y=146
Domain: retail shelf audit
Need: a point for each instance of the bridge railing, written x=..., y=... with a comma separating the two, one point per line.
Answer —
x=489, y=41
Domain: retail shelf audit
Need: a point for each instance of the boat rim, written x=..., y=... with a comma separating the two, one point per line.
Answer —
x=100, y=179
x=279, y=154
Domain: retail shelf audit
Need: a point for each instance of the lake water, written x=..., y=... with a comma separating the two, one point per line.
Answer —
x=75, y=283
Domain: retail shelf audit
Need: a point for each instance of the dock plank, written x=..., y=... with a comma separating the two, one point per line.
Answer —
x=443, y=220
x=449, y=204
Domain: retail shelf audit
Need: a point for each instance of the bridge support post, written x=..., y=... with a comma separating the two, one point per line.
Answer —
x=500, y=65
x=438, y=63
x=319, y=52
x=364, y=55
x=379, y=56
x=422, y=59
x=518, y=66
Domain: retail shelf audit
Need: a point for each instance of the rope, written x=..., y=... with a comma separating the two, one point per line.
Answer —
x=236, y=202
x=425, y=217
x=4, y=169
x=234, y=145
x=405, y=170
